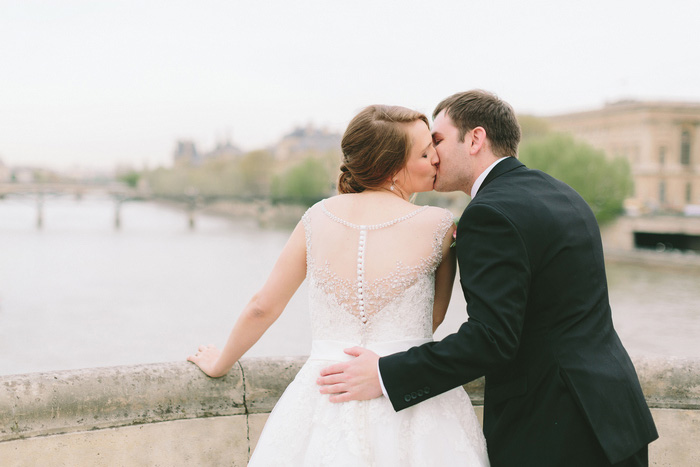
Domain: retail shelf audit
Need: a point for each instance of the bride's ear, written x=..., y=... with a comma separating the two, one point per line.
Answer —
x=478, y=140
x=392, y=182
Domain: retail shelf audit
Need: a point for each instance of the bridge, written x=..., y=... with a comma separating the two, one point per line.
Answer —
x=190, y=200
x=39, y=192
x=62, y=188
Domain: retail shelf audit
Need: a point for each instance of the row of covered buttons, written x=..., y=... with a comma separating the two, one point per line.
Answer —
x=361, y=273
x=416, y=394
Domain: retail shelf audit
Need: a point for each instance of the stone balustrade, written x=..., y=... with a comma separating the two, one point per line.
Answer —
x=172, y=414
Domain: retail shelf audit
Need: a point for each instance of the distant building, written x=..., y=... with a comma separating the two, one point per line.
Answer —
x=661, y=141
x=186, y=153
x=224, y=150
x=304, y=140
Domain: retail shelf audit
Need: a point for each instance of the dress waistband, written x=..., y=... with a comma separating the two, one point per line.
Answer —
x=333, y=350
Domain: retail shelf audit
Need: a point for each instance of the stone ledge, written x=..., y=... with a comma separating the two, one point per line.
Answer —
x=266, y=379
x=41, y=404
x=670, y=383
x=215, y=442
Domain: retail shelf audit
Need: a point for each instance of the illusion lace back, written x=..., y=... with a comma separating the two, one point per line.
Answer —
x=372, y=286
x=373, y=283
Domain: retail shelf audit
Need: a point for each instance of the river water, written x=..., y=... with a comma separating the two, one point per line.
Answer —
x=79, y=293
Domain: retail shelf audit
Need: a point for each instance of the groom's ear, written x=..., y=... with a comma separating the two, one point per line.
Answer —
x=478, y=140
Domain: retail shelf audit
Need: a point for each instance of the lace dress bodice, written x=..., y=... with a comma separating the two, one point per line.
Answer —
x=373, y=283
x=373, y=286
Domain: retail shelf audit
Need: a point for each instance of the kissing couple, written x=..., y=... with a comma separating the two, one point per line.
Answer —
x=560, y=389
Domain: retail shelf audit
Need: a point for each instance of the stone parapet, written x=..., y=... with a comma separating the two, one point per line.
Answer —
x=670, y=383
x=172, y=414
x=42, y=404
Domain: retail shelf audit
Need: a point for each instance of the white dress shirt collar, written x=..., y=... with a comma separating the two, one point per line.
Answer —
x=480, y=178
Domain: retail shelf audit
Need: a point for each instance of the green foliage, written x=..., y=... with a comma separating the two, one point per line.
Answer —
x=131, y=178
x=455, y=201
x=170, y=182
x=245, y=178
x=532, y=127
x=255, y=174
x=305, y=183
x=603, y=183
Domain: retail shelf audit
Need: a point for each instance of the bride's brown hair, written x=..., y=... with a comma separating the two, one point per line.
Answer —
x=375, y=146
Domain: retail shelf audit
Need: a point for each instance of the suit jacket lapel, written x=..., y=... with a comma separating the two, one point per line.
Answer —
x=502, y=167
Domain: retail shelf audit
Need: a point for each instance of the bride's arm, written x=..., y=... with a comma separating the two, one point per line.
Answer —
x=444, y=279
x=262, y=310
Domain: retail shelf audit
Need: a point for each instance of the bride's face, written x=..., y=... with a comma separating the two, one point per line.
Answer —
x=419, y=172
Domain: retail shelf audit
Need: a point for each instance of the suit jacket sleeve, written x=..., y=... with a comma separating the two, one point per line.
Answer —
x=495, y=276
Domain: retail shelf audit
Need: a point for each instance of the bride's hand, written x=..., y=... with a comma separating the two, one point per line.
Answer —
x=206, y=359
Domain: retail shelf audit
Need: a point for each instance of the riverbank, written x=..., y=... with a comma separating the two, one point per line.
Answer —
x=688, y=261
x=268, y=215
x=265, y=213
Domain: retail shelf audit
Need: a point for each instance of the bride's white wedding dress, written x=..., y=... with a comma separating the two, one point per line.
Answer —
x=371, y=286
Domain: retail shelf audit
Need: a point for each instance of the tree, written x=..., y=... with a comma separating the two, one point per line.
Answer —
x=255, y=171
x=131, y=178
x=532, y=127
x=306, y=183
x=603, y=183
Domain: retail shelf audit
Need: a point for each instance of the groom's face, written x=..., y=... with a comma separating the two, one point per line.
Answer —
x=453, y=167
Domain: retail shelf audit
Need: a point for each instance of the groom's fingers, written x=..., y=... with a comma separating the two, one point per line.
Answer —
x=331, y=379
x=354, y=351
x=334, y=389
x=334, y=369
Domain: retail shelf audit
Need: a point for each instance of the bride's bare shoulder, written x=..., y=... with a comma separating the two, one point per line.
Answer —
x=339, y=199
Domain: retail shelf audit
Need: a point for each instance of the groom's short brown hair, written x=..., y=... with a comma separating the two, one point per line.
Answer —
x=471, y=109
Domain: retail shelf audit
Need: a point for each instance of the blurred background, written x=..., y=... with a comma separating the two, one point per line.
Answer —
x=154, y=156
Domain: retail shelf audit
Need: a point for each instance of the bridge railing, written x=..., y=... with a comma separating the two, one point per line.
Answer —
x=171, y=414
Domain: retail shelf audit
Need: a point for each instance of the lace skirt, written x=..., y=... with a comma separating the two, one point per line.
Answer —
x=306, y=429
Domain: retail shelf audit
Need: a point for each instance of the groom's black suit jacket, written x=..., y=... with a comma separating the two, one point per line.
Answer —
x=559, y=383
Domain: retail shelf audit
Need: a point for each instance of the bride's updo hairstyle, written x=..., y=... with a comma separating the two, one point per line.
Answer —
x=375, y=147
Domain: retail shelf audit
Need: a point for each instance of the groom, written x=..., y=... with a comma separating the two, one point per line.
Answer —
x=560, y=387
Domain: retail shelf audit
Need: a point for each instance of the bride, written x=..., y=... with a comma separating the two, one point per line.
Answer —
x=380, y=272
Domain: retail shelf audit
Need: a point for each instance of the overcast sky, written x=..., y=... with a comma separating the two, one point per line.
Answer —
x=101, y=83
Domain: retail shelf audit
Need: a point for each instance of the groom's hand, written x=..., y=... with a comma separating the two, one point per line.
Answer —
x=356, y=380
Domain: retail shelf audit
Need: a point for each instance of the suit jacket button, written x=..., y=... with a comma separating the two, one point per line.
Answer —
x=407, y=398
x=426, y=390
x=420, y=393
x=414, y=395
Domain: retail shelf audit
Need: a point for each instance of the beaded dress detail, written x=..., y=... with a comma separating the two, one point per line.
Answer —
x=371, y=286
